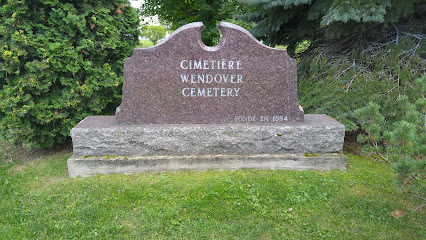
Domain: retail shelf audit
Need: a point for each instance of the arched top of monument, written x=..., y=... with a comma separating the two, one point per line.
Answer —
x=232, y=36
x=229, y=30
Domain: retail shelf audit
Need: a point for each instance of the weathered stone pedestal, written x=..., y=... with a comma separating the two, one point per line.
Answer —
x=103, y=147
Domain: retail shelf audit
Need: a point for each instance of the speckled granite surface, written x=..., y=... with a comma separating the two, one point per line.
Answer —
x=101, y=136
x=183, y=81
x=101, y=146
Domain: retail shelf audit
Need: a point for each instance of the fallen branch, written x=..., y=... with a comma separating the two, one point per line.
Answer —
x=397, y=33
x=421, y=206
x=378, y=153
x=417, y=196
x=385, y=159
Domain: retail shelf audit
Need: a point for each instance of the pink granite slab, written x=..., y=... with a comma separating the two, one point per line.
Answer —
x=182, y=81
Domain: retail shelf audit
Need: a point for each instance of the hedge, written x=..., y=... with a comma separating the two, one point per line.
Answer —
x=60, y=62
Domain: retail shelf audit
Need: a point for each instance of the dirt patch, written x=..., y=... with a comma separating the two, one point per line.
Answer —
x=12, y=153
x=351, y=145
x=19, y=168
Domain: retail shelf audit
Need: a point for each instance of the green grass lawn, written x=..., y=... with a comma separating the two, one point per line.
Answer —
x=39, y=201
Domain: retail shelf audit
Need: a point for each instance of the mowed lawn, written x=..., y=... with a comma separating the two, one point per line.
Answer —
x=39, y=201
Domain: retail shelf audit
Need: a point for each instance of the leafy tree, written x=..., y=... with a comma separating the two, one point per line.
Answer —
x=154, y=33
x=289, y=22
x=145, y=44
x=60, y=62
x=180, y=12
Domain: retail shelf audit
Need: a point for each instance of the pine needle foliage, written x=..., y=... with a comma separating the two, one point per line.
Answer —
x=60, y=62
x=400, y=141
x=338, y=77
x=289, y=22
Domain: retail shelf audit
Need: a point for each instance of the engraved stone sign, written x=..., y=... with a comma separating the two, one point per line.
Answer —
x=184, y=81
x=187, y=106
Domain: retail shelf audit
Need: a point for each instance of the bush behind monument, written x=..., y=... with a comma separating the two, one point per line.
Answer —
x=61, y=62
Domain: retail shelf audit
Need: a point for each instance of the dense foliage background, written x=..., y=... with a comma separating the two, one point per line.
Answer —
x=176, y=13
x=60, y=62
x=289, y=22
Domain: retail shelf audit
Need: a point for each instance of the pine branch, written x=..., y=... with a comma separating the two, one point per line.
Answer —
x=418, y=36
x=385, y=159
x=397, y=33
x=421, y=206
x=417, y=196
x=380, y=155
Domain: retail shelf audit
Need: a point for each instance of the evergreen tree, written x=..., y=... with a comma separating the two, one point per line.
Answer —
x=289, y=22
x=354, y=51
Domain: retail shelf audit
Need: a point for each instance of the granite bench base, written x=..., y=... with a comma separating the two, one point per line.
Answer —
x=102, y=147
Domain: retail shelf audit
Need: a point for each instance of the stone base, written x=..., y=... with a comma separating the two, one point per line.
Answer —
x=86, y=166
x=103, y=147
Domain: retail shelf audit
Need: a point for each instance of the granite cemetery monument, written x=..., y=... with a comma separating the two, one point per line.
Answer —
x=187, y=106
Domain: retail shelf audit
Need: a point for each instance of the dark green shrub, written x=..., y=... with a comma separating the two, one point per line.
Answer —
x=60, y=62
